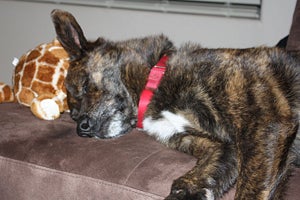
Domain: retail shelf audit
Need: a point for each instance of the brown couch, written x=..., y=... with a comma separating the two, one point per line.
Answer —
x=47, y=160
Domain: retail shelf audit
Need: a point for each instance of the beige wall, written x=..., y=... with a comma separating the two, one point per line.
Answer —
x=24, y=25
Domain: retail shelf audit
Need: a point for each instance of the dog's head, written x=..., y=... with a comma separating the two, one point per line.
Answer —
x=97, y=97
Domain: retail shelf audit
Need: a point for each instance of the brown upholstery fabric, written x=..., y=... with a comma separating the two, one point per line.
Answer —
x=47, y=160
x=293, y=43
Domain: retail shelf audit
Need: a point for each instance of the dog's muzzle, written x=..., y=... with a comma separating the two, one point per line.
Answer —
x=85, y=126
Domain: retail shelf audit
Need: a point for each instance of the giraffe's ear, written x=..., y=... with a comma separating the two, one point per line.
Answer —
x=69, y=33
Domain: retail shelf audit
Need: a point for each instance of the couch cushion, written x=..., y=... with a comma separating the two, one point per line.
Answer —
x=293, y=43
x=47, y=160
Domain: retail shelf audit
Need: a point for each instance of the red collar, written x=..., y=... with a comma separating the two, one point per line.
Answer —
x=156, y=74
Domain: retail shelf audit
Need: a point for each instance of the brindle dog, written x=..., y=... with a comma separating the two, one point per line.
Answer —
x=236, y=110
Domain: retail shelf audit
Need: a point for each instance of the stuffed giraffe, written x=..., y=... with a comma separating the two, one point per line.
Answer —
x=38, y=80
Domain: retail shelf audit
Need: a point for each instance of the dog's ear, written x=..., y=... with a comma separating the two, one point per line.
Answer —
x=69, y=33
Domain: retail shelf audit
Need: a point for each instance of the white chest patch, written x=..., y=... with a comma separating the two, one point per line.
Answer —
x=165, y=127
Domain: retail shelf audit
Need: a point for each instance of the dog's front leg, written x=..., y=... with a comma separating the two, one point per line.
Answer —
x=214, y=173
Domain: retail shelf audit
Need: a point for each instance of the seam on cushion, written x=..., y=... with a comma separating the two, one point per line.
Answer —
x=77, y=176
x=143, y=160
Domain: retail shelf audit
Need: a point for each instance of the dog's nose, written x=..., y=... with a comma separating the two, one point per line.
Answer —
x=84, y=127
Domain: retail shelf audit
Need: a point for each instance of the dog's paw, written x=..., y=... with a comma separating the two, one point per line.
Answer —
x=177, y=195
x=203, y=194
x=185, y=190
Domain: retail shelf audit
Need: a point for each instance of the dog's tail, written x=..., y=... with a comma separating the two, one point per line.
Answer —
x=296, y=144
x=292, y=74
x=282, y=44
x=296, y=149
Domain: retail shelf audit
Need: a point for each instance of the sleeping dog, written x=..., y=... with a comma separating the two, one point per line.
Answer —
x=235, y=110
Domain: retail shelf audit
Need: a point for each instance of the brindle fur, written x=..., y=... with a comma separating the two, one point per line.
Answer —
x=242, y=106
